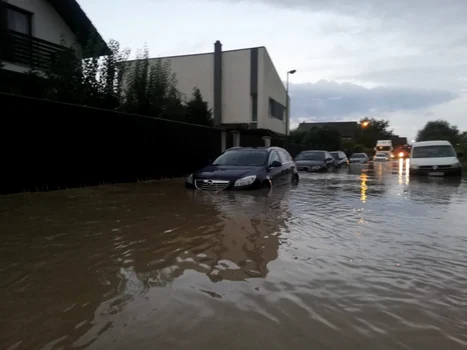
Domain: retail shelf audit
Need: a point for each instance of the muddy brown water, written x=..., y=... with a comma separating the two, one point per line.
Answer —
x=365, y=258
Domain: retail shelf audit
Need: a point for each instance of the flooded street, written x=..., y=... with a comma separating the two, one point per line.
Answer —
x=356, y=259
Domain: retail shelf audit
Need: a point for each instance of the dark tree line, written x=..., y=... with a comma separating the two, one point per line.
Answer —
x=113, y=82
x=327, y=138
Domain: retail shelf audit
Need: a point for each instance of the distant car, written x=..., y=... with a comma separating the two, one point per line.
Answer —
x=381, y=157
x=245, y=168
x=340, y=158
x=315, y=161
x=361, y=158
x=434, y=158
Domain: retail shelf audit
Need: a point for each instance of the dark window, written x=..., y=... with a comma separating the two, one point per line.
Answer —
x=283, y=156
x=310, y=156
x=19, y=20
x=435, y=151
x=289, y=157
x=254, y=108
x=242, y=158
x=276, y=110
x=273, y=157
x=335, y=155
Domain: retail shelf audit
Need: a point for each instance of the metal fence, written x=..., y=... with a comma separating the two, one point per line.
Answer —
x=49, y=145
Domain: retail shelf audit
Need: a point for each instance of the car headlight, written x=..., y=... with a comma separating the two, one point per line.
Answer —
x=413, y=166
x=189, y=179
x=456, y=165
x=245, y=181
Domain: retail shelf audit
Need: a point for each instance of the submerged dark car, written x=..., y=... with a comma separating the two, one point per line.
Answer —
x=315, y=161
x=242, y=168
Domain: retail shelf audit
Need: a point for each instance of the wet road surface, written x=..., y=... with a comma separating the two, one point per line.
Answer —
x=357, y=259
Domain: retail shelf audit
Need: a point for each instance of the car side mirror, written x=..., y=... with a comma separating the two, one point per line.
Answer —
x=341, y=158
x=460, y=155
x=328, y=159
x=275, y=164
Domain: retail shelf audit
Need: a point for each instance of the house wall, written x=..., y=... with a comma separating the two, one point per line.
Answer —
x=194, y=71
x=270, y=86
x=198, y=71
x=46, y=22
x=236, y=100
x=46, y=25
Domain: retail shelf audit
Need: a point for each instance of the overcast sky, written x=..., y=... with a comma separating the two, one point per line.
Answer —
x=402, y=60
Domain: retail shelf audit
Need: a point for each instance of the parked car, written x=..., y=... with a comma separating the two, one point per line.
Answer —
x=381, y=157
x=361, y=158
x=434, y=158
x=315, y=161
x=244, y=168
x=340, y=158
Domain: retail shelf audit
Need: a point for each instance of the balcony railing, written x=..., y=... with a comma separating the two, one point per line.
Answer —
x=29, y=51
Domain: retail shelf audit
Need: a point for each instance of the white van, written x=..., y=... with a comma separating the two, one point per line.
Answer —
x=434, y=158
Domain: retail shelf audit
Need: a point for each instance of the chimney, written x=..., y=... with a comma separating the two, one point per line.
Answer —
x=217, y=83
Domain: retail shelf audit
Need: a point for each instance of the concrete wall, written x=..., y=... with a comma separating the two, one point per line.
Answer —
x=236, y=99
x=194, y=71
x=198, y=71
x=270, y=86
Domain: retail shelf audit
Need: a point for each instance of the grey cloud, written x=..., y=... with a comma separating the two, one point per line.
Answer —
x=452, y=77
x=331, y=100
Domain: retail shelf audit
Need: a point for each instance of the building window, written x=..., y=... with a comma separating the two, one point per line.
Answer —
x=276, y=110
x=19, y=20
x=254, y=108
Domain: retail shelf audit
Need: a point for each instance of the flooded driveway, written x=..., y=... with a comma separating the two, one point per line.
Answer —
x=358, y=259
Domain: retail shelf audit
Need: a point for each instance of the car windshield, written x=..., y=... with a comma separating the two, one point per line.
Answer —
x=242, y=158
x=335, y=155
x=438, y=151
x=310, y=156
x=358, y=155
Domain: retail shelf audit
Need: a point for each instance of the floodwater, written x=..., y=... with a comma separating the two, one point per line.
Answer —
x=357, y=259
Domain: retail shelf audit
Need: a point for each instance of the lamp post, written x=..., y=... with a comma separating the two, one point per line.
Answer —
x=293, y=71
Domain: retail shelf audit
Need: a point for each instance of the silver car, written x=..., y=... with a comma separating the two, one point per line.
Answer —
x=381, y=157
x=360, y=158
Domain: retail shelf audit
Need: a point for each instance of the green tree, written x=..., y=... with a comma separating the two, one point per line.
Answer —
x=150, y=89
x=296, y=136
x=439, y=130
x=323, y=138
x=372, y=130
x=197, y=110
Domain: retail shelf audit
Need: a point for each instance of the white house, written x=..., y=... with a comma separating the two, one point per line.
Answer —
x=241, y=86
x=31, y=32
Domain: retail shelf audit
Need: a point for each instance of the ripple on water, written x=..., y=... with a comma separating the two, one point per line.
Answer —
x=353, y=259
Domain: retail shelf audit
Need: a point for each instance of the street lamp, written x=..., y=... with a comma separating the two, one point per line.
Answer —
x=365, y=123
x=293, y=71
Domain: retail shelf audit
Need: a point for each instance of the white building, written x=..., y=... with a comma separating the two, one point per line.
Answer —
x=241, y=86
x=31, y=32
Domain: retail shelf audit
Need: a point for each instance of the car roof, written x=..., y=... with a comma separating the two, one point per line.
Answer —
x=358, y=153
x=432, y=143
x=266, y=149
x=312, y=150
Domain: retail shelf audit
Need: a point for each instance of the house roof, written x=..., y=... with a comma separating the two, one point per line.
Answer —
x=79, y=23
x=345, y=128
